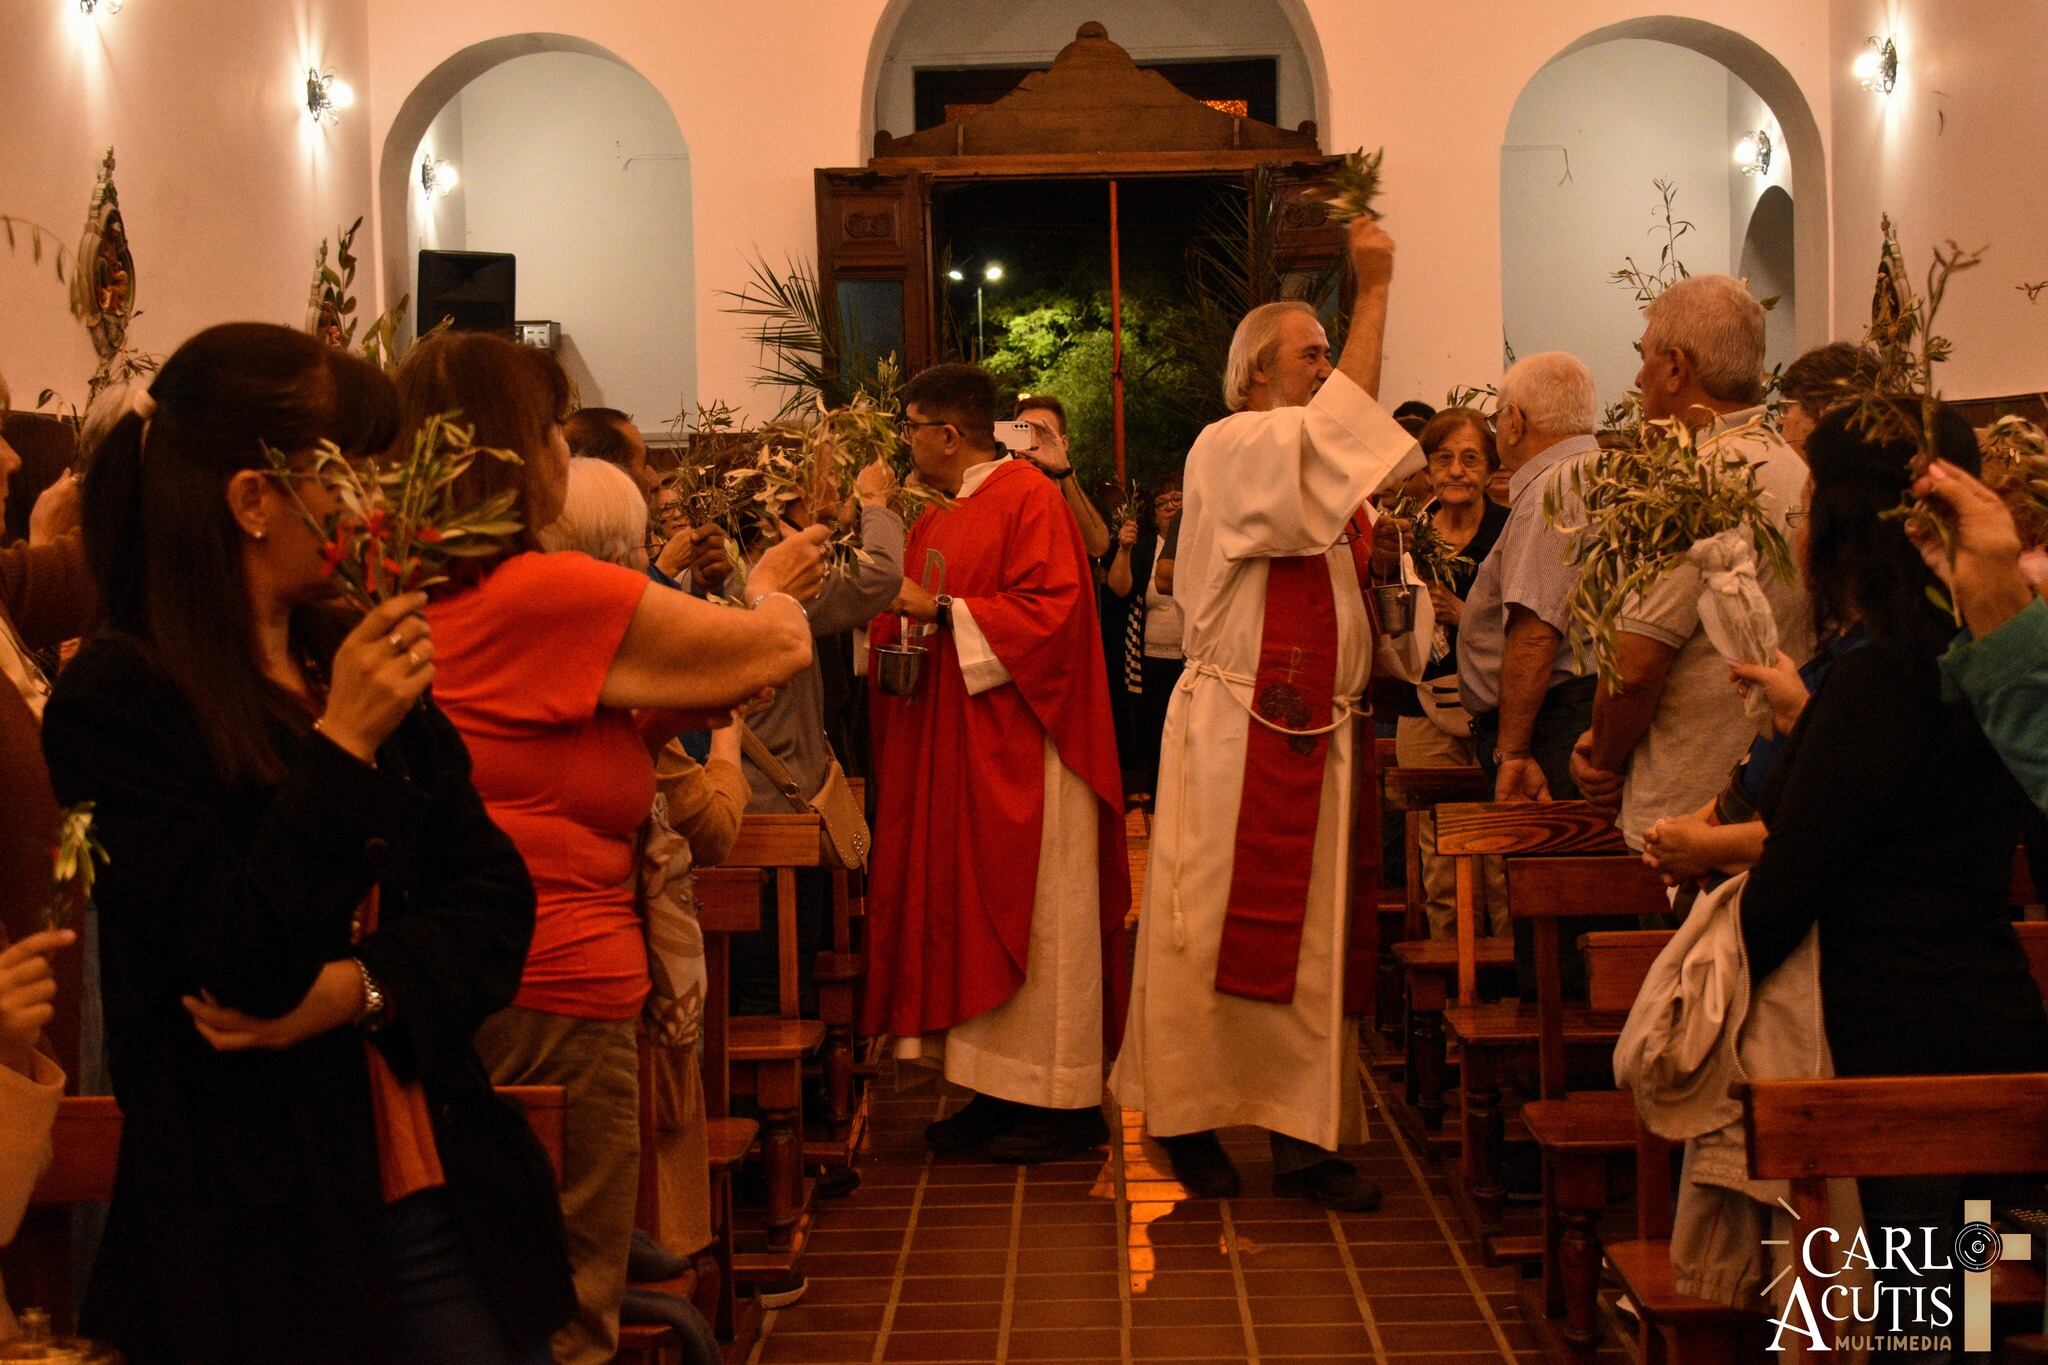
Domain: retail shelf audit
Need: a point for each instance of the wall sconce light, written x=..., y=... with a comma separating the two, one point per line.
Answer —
x=99, y=6
x=1753, y=153
x=326, y=96
x=1877, y=66
x=437, y=176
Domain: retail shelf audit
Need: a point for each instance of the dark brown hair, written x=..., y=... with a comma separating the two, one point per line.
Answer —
x=1814, y=380
x=1045, y=402
x=599, y=434
x=1449, y=422
x=963, y=395
x=165, y=551
x=1859, y=564
x=515, y=396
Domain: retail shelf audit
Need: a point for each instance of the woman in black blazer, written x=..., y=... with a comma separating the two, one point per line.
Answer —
x=304, y=913
x=1892, y=822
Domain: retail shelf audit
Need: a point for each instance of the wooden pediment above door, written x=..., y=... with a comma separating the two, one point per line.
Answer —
x=1094, y=111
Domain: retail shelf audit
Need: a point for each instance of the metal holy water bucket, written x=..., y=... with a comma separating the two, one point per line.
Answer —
x=898, y=668
x=37, y=1343
x=1396, y=605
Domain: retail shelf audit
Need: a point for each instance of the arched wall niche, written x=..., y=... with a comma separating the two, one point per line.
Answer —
x=1770, y=264
x=641, y=372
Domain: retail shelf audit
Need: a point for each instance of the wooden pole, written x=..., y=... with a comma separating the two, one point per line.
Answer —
x=1116, y=332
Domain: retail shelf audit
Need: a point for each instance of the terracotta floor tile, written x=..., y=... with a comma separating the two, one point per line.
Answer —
x=1037, y=1260
x=816, y=1348
x=1326, y=1340
x=940, y=1196
x=1174, y=1234
x=828, y=1238
x=980, y=1238
x=1383, y=1229
x=1046, y=1315
x=1182, y=1284
x=1287, y=1284
x=1281, y=1210
x=941, y=1317
x=960, y=1216
x=953, y=1261
x=851, y=1289
x=1150, y=1312
x=1438, y=1336
x=1174, y=1259
x=1066, y=1344
x=1422, y=1307
x=811, y=1316
x=1269, y=1231
x=835, y=1263
x=1290, y=1256
x=951, y=1289
x=1090, y=1211
x=1280, y=1311
x=1401, y=1256
x=1379, y=1282
x=1185, y=1343
x=1078, y=1192
x=1067, y=1235
x=940, y=1346
x=1069, y=1285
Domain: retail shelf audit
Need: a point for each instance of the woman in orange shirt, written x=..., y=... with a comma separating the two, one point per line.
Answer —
x=544, y=658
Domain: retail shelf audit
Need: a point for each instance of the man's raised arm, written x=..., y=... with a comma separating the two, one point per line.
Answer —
x=1372, y=272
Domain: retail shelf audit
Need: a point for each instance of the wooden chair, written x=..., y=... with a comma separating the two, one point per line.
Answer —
x=1414, y=792
x=1467, y=832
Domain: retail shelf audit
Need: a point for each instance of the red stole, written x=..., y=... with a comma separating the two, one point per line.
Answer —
x=1294, y=688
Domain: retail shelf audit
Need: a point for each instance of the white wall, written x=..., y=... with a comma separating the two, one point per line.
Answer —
x=225, y=185
x=1953, y=152
x=575, y=165
x=953, y=33
x=1619, y=115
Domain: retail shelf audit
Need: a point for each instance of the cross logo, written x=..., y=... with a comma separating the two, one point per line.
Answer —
x=1979, y=1246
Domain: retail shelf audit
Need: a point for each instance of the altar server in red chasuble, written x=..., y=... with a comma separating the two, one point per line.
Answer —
x=1000, y=882
x=1239, y=1009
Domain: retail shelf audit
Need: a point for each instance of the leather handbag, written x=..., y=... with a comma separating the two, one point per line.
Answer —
x=843, y=840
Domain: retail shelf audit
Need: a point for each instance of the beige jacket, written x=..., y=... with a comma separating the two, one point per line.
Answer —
x=1698, y=1026
x=28, y=1110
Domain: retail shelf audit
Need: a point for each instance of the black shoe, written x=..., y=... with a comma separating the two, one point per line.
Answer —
x=781, y=1293
x=1201, y=1164
x=1050, y=1135
x=982, y=1118
x=1331, y=1183
x=836, y=1183
x=649, y=1262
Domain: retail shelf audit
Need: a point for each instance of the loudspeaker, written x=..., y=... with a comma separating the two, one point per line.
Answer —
x=476, y=290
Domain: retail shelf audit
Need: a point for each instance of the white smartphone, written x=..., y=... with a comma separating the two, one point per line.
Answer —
x=1016, y=436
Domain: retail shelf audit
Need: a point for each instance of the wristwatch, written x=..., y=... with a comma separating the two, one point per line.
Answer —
x=1066, y=473
x=374, y=1004
x=943, y=618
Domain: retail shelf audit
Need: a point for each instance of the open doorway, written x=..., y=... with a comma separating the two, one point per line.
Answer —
x=1033, y=301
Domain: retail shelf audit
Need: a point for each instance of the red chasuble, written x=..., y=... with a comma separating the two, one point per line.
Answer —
x=960, y=790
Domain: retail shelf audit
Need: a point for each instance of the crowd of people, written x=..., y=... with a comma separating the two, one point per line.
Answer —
x=362, y=867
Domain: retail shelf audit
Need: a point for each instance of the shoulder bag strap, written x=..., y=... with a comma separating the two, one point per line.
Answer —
x=771, y=767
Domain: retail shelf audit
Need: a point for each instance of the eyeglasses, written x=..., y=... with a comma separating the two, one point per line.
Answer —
x=1794, y=515
x=905, y=425
x=1461, y=459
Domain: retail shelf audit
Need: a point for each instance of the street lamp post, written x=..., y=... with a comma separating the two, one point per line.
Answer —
x=990, y=274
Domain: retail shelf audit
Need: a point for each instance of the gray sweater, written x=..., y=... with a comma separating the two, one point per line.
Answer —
x=793, y=726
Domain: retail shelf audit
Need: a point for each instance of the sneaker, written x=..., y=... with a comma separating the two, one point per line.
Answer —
x=974, y=1124
x=781, y=1293
x=1050, y=1135
x=1201, y=1164
x=1331, y=1183
x=836, y=1183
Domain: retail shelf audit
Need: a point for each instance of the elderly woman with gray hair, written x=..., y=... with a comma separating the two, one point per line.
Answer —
x=695, y=819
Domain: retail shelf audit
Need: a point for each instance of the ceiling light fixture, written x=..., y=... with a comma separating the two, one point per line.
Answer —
x=326, y=96
x=1753, y=153
x=1877, y=66
x=99, y=6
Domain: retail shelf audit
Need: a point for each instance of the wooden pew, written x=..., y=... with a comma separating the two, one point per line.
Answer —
x=1415, y=792
x=728, y=903
x=1810, y=1131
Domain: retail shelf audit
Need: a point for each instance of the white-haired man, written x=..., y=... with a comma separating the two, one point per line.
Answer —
x=1238, y=1008
x=1662, y=742
x=1516, y=669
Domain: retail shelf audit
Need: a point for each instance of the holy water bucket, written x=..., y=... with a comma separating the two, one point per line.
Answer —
x=1396, y=604
x=898, y=668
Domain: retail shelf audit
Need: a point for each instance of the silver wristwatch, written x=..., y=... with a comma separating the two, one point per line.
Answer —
x=374, y=1004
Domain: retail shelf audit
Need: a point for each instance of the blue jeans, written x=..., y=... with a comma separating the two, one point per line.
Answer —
x=442, y=1315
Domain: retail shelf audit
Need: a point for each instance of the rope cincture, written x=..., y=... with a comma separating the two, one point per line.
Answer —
x=1345, y=707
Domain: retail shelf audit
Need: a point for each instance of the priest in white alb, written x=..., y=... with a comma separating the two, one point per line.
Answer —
x=1238, y=1010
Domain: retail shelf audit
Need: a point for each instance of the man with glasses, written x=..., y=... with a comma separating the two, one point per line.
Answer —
x=1663, y=741
x=678, y=555
x=999, y=882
